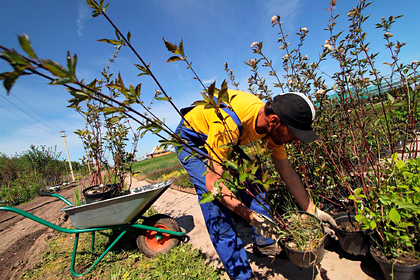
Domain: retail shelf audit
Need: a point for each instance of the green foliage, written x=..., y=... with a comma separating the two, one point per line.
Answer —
x=124, y=261
x=394, y=213
x=22, y=177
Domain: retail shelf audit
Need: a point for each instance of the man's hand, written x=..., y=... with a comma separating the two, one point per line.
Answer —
x=265, y=226
x=327, y=221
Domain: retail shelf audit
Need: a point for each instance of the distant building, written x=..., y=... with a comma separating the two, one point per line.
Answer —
x=157, y=152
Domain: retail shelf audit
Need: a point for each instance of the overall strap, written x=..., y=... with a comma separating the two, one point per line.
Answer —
x=233, y=115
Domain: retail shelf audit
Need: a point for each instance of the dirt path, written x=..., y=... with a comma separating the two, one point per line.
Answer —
x=22, y=241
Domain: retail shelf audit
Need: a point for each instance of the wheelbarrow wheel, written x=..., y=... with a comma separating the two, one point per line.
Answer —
x=153, y=243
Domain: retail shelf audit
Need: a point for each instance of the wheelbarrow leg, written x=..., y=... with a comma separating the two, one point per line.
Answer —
x=92, y=243
x=73, y=257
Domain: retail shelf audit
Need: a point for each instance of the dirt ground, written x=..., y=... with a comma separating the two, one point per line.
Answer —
x=23, y=240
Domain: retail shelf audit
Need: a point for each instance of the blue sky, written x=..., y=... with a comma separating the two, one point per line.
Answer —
x=214, y=32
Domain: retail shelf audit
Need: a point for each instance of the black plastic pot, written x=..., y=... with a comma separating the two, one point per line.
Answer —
x=400, y=272
x=94, y=197
x=355, y=243
x=306, y=259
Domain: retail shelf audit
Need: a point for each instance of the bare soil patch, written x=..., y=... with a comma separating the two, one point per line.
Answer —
x=22, y=240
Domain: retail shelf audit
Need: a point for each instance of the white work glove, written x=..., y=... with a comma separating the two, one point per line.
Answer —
x=326, y=220
x=265, y=226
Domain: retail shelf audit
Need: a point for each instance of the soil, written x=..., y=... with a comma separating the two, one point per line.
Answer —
x=348, y=226
x=404, y=259
x=22, y=241
x=99, y=189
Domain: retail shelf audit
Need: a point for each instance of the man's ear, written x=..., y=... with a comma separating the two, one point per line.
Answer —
x=274, y=120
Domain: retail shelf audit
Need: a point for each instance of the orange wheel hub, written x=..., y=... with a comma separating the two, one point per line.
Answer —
x=157, y=241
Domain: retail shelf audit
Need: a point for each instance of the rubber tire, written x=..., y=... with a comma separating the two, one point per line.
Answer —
x=149, y=245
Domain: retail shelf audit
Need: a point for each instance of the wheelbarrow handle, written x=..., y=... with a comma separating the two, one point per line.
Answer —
x=58, y=196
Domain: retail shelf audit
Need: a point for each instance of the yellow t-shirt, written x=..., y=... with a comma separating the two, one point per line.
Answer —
x=246, y=106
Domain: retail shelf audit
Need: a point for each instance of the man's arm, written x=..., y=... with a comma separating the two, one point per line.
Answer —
x=293, y=183
x=228, y=199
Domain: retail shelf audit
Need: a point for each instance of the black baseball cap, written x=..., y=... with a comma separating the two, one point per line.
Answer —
x=297, y=112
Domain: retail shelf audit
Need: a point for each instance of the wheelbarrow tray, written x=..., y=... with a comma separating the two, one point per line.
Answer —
x=116, y=211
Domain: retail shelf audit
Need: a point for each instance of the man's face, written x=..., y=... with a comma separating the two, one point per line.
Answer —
x=281, y=134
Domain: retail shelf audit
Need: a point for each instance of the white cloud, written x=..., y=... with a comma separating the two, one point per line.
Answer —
x=83, y=15
x=209, y=81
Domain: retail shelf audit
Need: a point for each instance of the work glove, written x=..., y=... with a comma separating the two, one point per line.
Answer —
x=265, y=226
x=326, y=220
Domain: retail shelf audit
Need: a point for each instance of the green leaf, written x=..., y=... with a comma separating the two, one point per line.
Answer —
x=271, y=181
x=394, y=157
x=110, y=41
x=79, y=94
x=71, y=63
x=173, y=59
x=128, y=36
x=400, y=164
x=62, y=81
x=199, y=102
x=232, y=165
x=394, y=216
x=107, y=110
x=14, y=59
x=405, y=225
x=93, y=4
x=206, y=197
x=25, y=44
x=408, y=206
x=257, y=182
x=242, y=177
x=144, y=69
x=55, y=68
x=181, y=48
x=114, y=119
x=372, y=224
x=171, y=47
x=9, y=79
x=358, y=218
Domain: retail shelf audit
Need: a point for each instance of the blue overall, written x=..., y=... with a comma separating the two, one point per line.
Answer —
x=218, y=221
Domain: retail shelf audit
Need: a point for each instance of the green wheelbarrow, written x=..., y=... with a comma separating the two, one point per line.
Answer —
x=158, y=233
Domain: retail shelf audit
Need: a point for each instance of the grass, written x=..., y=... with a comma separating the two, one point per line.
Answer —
x=155, y=167
x=124, y=261
x=163, y=168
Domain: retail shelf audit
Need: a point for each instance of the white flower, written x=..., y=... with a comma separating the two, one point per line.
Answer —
x=328, y=46
x=290, y=81
x=286, y=56
x=252, y=61
x=320, y=91
x=215, y=191
x=305, y=57
x=254, y=44
x=274, y=19
x=303, y=29
x=326, y=41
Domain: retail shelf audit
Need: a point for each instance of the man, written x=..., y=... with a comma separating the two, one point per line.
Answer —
x=285, y=119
